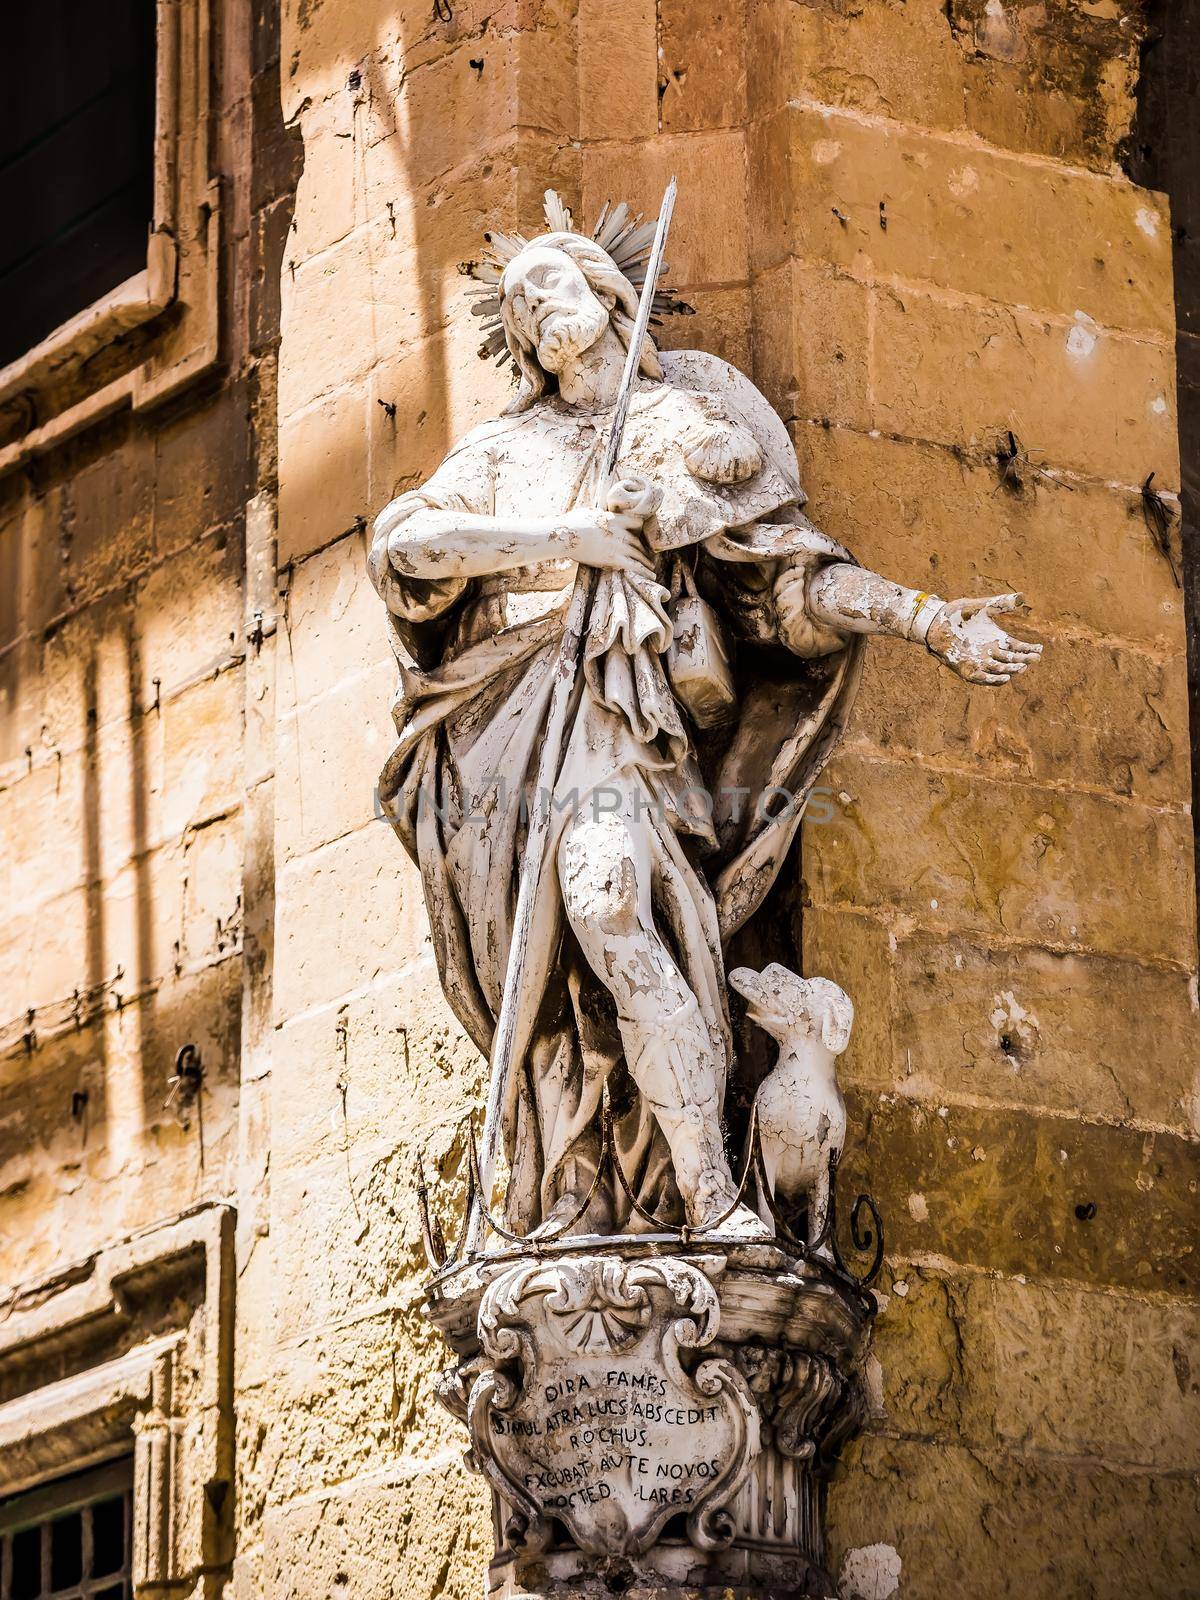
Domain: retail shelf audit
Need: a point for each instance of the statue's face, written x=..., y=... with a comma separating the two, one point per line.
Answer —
x=553, y=305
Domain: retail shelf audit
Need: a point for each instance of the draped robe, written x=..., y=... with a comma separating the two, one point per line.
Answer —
x=476, y=662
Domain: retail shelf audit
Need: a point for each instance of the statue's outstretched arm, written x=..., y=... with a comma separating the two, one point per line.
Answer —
x=962, y=633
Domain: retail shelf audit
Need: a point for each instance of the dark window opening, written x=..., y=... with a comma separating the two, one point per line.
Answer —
x=71, y=1539
x=76, y=159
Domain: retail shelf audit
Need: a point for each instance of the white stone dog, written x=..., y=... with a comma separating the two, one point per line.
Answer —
x=801, y=1113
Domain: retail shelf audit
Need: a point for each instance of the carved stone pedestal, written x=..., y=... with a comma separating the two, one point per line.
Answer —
x=654, y=1415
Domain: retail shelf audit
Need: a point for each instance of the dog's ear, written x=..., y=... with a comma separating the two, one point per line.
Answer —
x=837, y=1019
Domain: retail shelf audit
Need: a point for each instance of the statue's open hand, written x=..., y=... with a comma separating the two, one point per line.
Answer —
x=966, y=636
x=613, y=538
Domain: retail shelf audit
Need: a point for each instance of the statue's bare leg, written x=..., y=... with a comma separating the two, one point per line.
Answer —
x=606, y=874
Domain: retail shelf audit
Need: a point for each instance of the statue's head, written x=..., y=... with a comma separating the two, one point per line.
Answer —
x=548, y=300
x=557, y=297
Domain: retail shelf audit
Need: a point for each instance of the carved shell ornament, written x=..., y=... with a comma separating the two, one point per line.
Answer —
x=625, y=238
x=718, y=451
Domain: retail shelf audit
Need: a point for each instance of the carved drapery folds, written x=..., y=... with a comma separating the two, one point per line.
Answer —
x=614, y=594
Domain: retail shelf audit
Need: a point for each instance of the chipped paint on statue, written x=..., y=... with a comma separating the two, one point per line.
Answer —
x=659, y=643
x=723, y=652
x=800, y=1111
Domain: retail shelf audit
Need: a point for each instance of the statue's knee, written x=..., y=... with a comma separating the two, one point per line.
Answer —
x=598, y=871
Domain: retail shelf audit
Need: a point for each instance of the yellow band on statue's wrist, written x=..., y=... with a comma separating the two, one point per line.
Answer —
x=917, y=632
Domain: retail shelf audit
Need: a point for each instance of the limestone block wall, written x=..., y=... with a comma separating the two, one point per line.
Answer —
x=1006, y=876
x=417, y=136
x=122, y=779
x=137, y=578
x=911, y=224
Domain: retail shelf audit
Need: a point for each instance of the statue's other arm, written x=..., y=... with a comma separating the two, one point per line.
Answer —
x=432, y=543
x=962, y=633
x=429, y=543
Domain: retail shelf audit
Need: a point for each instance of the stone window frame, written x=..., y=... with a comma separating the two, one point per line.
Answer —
x=181, y=275
x=182, y=1439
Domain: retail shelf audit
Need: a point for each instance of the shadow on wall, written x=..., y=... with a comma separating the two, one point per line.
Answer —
x=417, y=152
x=119, y=814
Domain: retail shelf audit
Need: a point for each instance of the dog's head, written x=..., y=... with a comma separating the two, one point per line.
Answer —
x=790, y=1008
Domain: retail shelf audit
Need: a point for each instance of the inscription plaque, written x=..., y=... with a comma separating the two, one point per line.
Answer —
x=600, y=1408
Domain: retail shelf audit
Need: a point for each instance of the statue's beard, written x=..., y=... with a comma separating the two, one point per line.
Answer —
x=566, y=335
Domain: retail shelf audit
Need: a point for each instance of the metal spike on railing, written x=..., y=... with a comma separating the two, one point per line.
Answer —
x=434, y=1241
x=823, y=1252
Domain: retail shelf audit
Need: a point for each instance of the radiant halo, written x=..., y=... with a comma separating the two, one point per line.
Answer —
x=625, y=237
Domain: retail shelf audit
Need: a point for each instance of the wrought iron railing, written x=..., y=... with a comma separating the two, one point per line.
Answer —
x=823, y=1252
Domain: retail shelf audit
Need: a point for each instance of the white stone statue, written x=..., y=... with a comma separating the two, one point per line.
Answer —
x=801, y=1112
x=722, y=653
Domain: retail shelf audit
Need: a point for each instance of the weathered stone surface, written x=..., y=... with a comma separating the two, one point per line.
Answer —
x=350, y=914
x=327, y=788
x=353, y=1056
x=397, y=229
x=1105, y=1038
x=1065, y=1384
x=1061, y=80
x=400, y=1528
x=97, y=1167
x=348, y=1234
x=1081, y=554
x=1045, y=726
x=998, y=1362
x=889, y=63
x=202, y=474
x=994, y=856
x=1013, y=1192
x=330, y=609
x=618, y=42
x=811, y=344
x=353, y=1398
x=856, y=950
x=323, y=457
x=1076, y=396
x=722, y=324
x=1057, y=80
x=699, y=254
x=188, y=616
x=956, y=1517
x=424, y=381
x=881, y=202
x=153, y=910
x=200, y=780
x=331, y=316
x=701, y=64
x=1108, y=1039
x=112, y=492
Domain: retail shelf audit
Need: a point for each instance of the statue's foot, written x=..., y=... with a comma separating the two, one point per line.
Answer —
x=559, y=1217
x=564, y=1220
x=741, y=1223
x=710, y=1211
